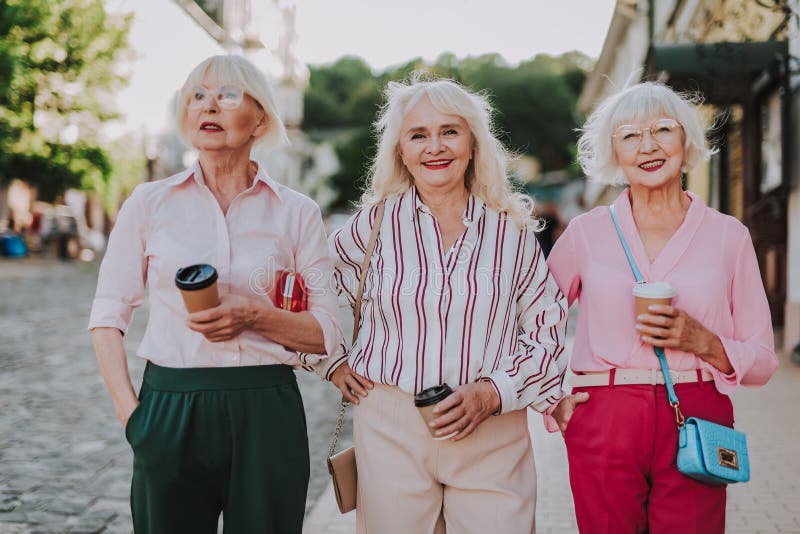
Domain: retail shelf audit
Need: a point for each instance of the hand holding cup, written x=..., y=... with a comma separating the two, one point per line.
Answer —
x=663, y=325
x=459, y=413
x=426, y=400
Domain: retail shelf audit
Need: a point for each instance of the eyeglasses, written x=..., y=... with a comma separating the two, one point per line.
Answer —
x=227, y=97
x=665, y=132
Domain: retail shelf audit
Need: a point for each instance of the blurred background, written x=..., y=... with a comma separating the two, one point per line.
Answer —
x=87, y=99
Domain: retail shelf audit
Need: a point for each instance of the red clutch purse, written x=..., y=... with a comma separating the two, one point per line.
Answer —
x=290, y=292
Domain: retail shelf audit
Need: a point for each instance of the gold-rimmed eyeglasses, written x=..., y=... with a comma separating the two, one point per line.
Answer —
x=665, y=132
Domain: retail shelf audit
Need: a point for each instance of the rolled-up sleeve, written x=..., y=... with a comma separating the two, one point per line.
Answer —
x=533, y=374
x=123, y=271
x=750, y=348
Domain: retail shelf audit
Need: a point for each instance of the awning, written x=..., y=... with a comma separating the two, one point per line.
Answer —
x=723, y=72
x=718, y=60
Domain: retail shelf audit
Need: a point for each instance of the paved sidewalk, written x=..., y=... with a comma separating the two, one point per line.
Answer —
x=767, y=504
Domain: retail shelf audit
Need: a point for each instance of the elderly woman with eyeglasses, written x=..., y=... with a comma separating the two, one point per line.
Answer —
x=619, y=427
x=219, y=425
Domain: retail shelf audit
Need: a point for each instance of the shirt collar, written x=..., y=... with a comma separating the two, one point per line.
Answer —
x=196, y=172
x=266, y=179
x=623, y=203
x=473, y=211
x=475, y=208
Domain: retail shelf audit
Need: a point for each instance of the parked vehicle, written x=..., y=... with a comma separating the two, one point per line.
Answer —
x=60, y=228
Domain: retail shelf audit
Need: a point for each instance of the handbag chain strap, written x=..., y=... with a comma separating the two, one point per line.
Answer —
x=373, y=238
x=662, y=358
x=338, y=430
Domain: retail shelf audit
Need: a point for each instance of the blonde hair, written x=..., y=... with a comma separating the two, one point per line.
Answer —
x=233, y=69
x=486, y=176
x=638, y=102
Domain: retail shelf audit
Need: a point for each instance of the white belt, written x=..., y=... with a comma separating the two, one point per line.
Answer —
x=624, y=377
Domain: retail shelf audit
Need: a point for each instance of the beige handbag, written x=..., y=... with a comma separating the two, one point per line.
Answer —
x=342, y=465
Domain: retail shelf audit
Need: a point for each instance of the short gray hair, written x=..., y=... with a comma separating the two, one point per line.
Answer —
x=638, y=102
x=233, y=69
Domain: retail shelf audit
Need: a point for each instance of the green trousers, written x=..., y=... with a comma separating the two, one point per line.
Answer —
x=228, y=440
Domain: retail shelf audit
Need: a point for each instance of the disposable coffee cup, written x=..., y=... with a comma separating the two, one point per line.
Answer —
x=645, y=295
x=426, y=400
x=198, y=285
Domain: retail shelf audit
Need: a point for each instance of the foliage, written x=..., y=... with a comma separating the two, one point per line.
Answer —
x=129, y=163
x=57, y=70
x=354, y=153
x=534, y=103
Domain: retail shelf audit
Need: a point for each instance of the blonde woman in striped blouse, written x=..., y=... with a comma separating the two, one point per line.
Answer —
x=457, y=292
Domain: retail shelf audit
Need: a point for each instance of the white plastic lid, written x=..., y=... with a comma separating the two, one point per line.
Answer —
x=654, y=290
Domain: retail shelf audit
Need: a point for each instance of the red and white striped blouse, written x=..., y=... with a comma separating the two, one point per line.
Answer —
x=485, y=309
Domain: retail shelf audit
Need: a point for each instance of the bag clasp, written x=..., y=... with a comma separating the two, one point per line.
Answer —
x=728, y=458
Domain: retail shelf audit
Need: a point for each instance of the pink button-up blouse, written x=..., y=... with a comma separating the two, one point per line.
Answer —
x=711, y=263
x=177, y=222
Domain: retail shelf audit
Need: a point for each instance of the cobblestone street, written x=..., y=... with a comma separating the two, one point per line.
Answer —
x=64, y=462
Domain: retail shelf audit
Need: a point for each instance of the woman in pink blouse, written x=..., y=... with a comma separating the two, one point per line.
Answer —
x=619, y=428
x=457, y=292
x=219, y=425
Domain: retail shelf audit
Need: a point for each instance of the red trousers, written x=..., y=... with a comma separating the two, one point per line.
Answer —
x=622, y=447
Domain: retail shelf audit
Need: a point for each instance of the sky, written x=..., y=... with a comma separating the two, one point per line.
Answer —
x=167, y=45
x=390, y=32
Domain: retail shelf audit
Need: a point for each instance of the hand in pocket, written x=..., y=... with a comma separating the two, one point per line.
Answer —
x=566, y=409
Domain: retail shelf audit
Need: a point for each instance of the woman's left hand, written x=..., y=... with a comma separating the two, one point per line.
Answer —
x=467, y=407
x=234, y=315
x=670, y=327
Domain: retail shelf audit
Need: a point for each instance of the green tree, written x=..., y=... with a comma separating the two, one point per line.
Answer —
x=57, y=72
x=534, y=101
x=355, y=153
x=340, y=95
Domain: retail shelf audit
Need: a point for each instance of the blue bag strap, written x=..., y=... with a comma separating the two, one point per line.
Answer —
x=636, y=273
x=662, y=358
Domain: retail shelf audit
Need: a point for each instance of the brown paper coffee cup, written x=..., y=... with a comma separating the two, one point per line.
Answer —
x=426, y=401
x=645, y=295
x=198, y=285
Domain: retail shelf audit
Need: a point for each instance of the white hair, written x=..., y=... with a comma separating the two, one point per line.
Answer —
x=639, y=102
x=235, y=70
x=486, y=176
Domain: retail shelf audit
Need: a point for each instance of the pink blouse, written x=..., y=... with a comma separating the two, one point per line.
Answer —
x=711, y=263
x=177, y=222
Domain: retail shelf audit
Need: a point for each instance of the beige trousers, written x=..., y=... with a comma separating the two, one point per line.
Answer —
x=409, y=483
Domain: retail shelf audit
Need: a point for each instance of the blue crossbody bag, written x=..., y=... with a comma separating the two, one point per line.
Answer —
x=711, y=453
